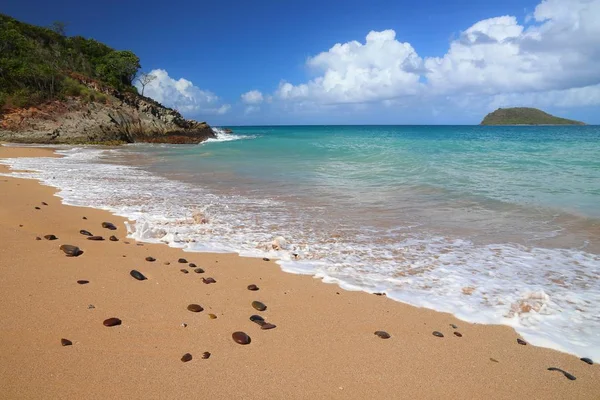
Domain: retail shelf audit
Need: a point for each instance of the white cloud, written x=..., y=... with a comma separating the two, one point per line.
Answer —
x=553, y=60
x=182, y=95
x=252, y=97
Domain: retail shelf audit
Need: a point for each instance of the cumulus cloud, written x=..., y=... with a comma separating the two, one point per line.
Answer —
x=252, y=97
x=551, y=60
x=182, y=95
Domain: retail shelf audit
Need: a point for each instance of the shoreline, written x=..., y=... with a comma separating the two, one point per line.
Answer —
x=323, y=346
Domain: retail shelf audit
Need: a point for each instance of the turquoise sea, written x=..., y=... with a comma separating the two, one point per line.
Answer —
x=492, y=224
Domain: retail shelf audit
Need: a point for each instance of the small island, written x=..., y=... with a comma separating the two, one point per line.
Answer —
x=525, y=116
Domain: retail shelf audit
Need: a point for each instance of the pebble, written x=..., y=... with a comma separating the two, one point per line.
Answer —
x=208, y=280
x=83, y=282
x=109, y=225
x=95, y=238
x=50, y=237
x=438, y=334
x=37, y=208
x=183, y=325
x=150, y=259
x=167, y=263
x=185, y=271
x=259, y=306
x=587, y=360
x=240, y=337
x=266, y=259
x=192, y=265
x=212, y=316
x=186, y=357
x=199, y=271
x=84, y=218
x=195, y=308
x=137, y=275
x=91, y=306
x=454, y=326
x=521, y=342
x=252, y=287
x=85, y=233
x=182, y=261
x=383, y=334
x=112, y=322
x=257, y=319
x=38, y=238
x=113, y=239
x=458, y=334
x=70, y=250
x=565, y=373
x=66, y=342
x=205, y=355
x=379, y=294
x=267, y=326
x=494, y=360
x=44, y=203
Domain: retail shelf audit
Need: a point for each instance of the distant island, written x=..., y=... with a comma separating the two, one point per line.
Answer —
x=525, y=116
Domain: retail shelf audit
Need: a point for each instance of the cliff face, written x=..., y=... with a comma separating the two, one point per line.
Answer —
x=119, y=117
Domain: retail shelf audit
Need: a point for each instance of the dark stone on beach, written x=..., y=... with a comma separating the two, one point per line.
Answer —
x=91, y=307
x=70, y=250
x=182, y=261
x=66, y=342
x=565, y=373
x=266, y=259
x=112, y=322
x=137, y=275
x=587, y=360
x=38, y=238
x=192, y=265
x=208, y=280
x=37, y=208
x=84, y=218
x=212, y=316
x=257, y=319
x=83, y=282
x=50, y=237
x=205, y=355
x=98, y=238
x=383, y=334
x=379, y=294
x=195, y=308
x=259, y=306
x=44, y=203
x=167, y=263
x=199, y=271
x=85, y=233
x=458, y=334
x=113, y=239
x=240, y=337
x=126, y=242
x=267, y=326
x=185, y=271
x=454, y=326
x=253, y=287
x=186, y=357
x=109, y=225
x=150, y=259
x=438, y=334
x=521, y=342
x=494, y=360
x=20, y=226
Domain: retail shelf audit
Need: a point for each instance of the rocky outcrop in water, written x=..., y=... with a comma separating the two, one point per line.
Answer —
x=121, y=117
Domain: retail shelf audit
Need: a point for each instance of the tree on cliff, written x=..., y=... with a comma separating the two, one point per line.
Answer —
x=59, y=27
x=144, y=79
x=118, y=68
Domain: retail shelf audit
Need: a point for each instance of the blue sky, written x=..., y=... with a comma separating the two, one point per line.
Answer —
x=274, y=62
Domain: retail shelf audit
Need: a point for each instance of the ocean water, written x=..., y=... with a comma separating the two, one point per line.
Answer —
x=497, y=225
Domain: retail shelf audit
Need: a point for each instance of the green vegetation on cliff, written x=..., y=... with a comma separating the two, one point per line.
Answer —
x=35, y=64
x=525, y=116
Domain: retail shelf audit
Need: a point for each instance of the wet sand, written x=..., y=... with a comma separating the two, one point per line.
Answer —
x=323, y=347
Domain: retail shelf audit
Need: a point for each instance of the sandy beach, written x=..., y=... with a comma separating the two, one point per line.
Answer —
x=323, y=346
